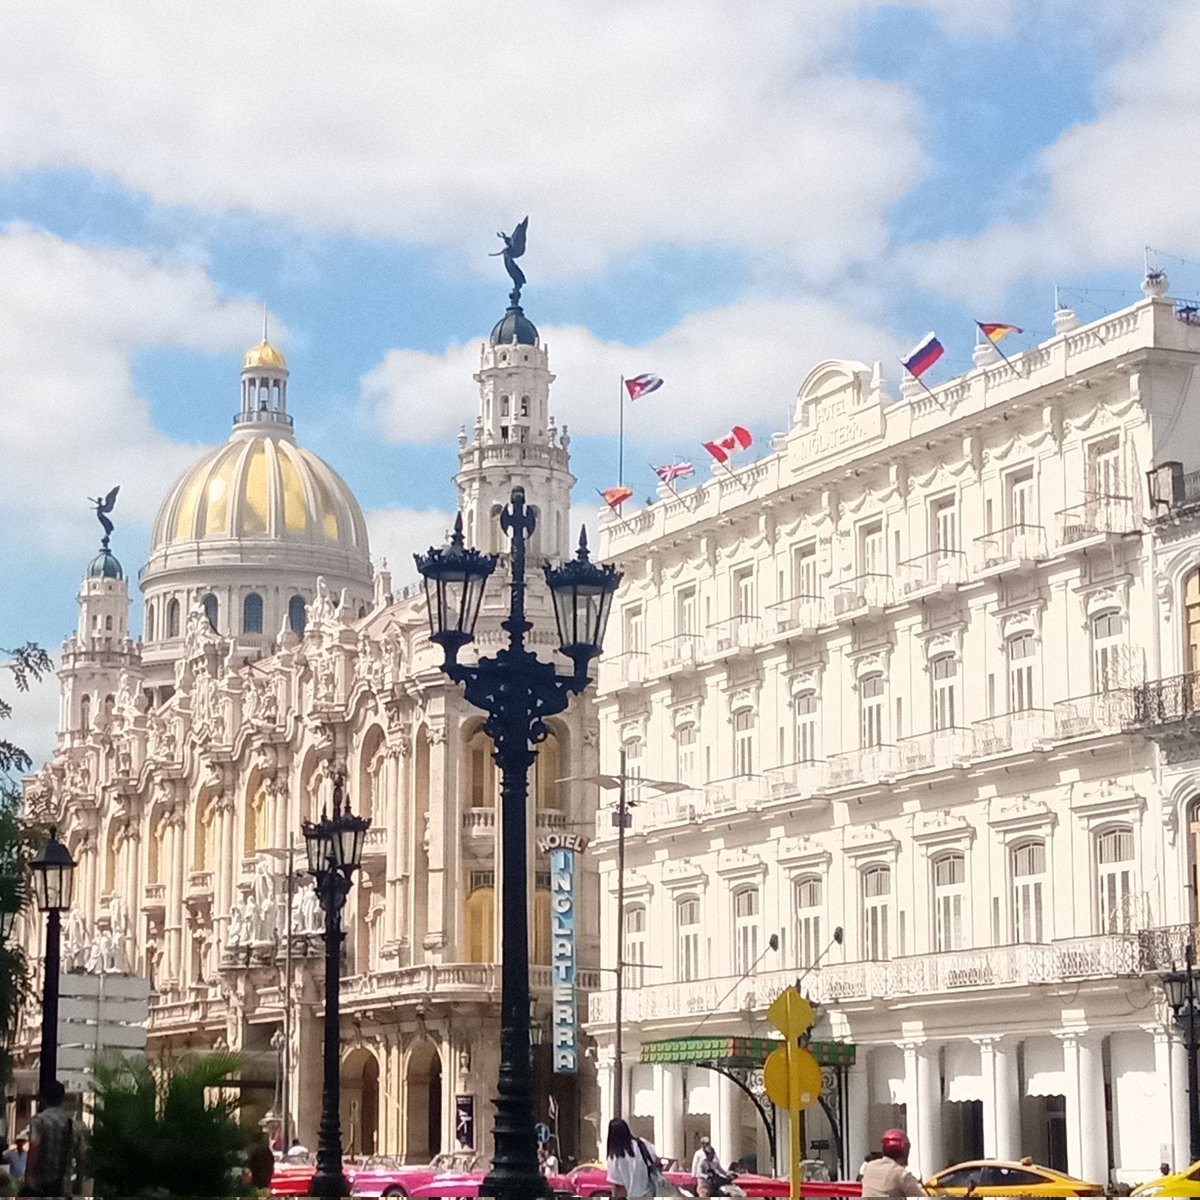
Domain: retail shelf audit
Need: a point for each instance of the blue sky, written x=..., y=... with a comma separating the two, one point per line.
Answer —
x=721, y=194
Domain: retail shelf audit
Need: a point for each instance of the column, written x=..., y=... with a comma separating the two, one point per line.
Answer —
x=1092, y=1122
x=723, y=1123
x=668, y=1116
x=1160, y=1120
x=927, y=1139
x=858, y=1115
x=1179, y=1125
x=604, y=1080
x=1007, y=1099
x=435, y=927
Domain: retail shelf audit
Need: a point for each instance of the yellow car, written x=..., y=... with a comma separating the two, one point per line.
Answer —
x=994, y=1178
x=1182, y=1183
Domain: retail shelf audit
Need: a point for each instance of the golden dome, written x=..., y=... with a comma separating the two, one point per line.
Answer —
x=263, y=355
x=262, y=488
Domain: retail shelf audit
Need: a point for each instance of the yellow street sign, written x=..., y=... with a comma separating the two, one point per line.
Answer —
x=792, y=1077
x=791, y=1014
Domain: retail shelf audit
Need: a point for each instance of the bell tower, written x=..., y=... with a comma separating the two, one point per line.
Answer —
x=516, y=442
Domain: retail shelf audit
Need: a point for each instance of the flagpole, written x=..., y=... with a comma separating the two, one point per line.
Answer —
x=616, y=510
x=925, y=386
x=621, y=433
x=996, y=347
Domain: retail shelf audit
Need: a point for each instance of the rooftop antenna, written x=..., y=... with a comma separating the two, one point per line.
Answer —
x=1057, y=305
x=264, y=320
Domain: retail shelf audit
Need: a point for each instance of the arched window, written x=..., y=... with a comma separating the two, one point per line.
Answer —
x=876, y=903
x=252, y=613
x=173, y=619
x=949, y=901
x=745, y=929
x=870, y=692
x=297, y=615
x=211, y=609
x=480, y=917
x=1020, y=651
x=635, y=944
x=805, y=743
x=1028, y=865
x=149, y=622
x=1115, y=880
x=1108, y=642
x=481, y=771
x=547, y=772
x=944, y=671
x=687, y=938
x=85, y=712
x=743, y=741
x=807, y=900
x=1191, y=605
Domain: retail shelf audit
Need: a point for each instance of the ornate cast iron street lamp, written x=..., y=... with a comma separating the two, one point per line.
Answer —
x=1180, y=987
x=53, y=871
x=335, y=846
x=518, y=691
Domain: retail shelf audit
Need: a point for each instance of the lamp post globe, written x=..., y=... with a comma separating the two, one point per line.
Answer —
x=517, y=691
x=334, y=847
x=53, y=875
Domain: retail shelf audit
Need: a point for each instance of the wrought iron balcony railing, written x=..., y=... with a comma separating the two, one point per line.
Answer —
x=1095, y=517
x=939, y=570
x=1101, y=712
x=1013, y=544
x=798, y=613
x=866, y=592
x=1015, y=731
x=1164, y=701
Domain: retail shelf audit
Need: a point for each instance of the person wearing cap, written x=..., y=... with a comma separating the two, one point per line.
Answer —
x=15, y=1160
x=889, y=1175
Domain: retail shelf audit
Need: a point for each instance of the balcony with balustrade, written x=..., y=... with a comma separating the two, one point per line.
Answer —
x=622, y=670
x=938, y=750
x=479, y=822
x=1098, y=520
x=734, y=634
x=1165, y=703
x=932, y=574
x=869, y=765
x=966, y=973
x=797, y=780
x=1014, y=732
x=798, y=616
x=861, y=596
x=154, y=897
x=200, y=885
x=678, y=654
x=1094, y=715
x=1013, y=548
x=375, y=844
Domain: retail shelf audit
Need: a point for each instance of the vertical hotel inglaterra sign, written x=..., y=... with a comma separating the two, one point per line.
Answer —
x=564, y=1014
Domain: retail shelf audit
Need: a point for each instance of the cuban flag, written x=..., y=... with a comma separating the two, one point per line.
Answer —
x=738, y=438
x=926, y=353
x=642, y=385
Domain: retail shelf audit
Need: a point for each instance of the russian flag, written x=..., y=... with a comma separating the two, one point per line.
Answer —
x=926, y=353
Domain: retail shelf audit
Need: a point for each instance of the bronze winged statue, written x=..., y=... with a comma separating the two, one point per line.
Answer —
x=104, y=506
x=514, y=247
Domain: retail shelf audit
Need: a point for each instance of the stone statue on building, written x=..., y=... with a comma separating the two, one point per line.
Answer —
x=263, y=903
x=76, y=941
x=514, y=247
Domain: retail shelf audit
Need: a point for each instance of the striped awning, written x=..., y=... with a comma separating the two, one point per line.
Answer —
x=739, y=1051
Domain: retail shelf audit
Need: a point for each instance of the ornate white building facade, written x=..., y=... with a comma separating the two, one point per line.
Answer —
x=907, y=665
x=273, y=661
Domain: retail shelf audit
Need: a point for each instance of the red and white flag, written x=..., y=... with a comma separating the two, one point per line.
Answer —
x=642, y=385
x=738, y=438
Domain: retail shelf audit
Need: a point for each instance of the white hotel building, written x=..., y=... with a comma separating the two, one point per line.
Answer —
x=927, y=668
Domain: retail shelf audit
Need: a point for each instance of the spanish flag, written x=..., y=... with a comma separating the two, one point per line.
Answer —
x=614, y=497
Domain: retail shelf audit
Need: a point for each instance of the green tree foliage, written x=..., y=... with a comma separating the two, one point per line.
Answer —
x=166, y=1130
x=26, y=664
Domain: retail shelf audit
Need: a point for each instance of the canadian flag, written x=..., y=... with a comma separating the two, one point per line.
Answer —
x=737, y=439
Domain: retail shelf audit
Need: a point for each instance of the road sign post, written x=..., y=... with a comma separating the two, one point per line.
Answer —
x=791, y=1075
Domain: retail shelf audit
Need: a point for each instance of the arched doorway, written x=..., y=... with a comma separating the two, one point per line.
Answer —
x=423, y=1087
x=360, y=1103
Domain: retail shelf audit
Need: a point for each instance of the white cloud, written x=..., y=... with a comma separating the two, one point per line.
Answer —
x=743, y=363
x=69, y=413
x=617, y=124
x=1111, y=185
x=34, y=717
x=396, y=534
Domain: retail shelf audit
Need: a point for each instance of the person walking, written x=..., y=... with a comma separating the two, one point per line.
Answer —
x=888, y=1175
x=54, y=1146
x=630, y=1163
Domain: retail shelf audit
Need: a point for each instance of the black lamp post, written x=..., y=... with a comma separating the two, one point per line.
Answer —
x=335, y=846
x=518, y=691
x=53, y=872
x=1180, y=987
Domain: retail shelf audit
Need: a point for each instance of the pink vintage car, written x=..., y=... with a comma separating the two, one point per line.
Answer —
x=455, y=1184
x=383, y=1179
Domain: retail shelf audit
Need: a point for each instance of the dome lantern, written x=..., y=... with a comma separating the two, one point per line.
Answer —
x=264, y=389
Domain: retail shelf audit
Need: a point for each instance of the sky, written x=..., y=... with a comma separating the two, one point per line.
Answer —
x=723, y=194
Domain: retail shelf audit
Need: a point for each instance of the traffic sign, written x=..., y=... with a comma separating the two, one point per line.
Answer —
x=792, y=1077
x=543, y=1132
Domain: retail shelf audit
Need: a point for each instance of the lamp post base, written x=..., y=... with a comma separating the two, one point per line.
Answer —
x=329, y=1184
